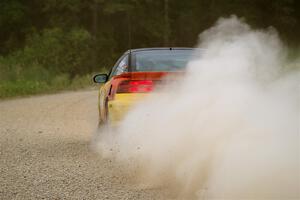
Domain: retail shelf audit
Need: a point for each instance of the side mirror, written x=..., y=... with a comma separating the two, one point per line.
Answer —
x=100, y=78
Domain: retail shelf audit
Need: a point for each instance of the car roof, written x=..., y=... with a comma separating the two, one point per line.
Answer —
x=159, y=48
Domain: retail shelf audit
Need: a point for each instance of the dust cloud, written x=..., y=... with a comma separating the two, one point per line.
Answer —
x=228, y=129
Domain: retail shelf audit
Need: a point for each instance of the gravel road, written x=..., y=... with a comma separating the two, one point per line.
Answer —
x=45, y=152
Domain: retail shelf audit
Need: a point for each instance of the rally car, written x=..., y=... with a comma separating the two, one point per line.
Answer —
x=135, y=75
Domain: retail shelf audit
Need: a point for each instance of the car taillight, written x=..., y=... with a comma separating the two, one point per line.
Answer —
x=135, y=86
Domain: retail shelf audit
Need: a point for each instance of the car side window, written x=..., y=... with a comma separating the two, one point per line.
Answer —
x=121, y=67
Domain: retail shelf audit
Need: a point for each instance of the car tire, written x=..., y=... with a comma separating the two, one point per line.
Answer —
x=102, y=123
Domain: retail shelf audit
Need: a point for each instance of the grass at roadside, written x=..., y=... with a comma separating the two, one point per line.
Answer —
x=20, y=77
x=31, y=87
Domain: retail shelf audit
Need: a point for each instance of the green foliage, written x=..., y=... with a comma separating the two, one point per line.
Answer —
x=59, y=51
x=17, y=81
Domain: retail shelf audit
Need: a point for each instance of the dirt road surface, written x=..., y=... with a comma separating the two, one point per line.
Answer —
x=45, y=152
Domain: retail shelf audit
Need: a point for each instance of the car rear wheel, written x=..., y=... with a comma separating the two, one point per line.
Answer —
x=104, y=121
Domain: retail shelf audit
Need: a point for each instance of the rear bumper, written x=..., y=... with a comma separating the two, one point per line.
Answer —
x=121, y=105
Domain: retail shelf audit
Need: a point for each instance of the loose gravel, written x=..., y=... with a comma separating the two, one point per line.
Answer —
x=45, y=152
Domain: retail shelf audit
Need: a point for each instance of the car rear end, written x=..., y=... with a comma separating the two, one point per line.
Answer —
x=147, y=72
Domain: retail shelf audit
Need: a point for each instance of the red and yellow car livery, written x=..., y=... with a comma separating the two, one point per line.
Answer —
x=135, y=76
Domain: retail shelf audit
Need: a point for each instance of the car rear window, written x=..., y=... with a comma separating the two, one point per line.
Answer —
x=161, y=60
